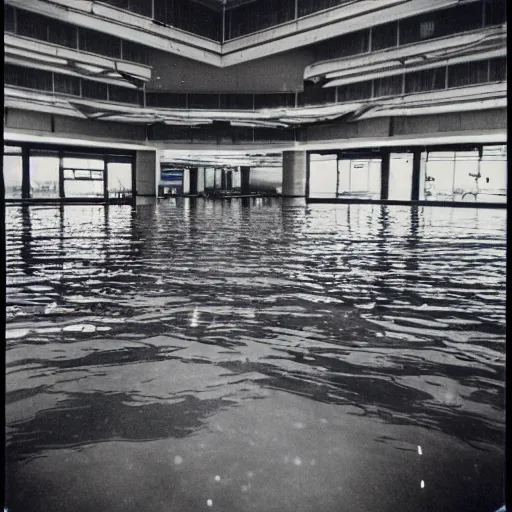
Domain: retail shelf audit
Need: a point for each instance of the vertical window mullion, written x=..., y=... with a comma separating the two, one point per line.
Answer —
x=403, y=83
x=105, y=178
x=53, y=84
x=121, y=49
x=446, y=77
x=488, y=70
x=398, y=33
x=483, y=13
x=370, y=40
x=372, y=93
x=15, y=20
x=335, y=95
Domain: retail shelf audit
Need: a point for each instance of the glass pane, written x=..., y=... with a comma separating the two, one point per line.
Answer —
x=16, y=150
x=439, y=176
x=323, y=176
x=83, y=188
x=400, y=177
x=466, y=180
x=209, y=178
x=12, y=172
x=119, y=179
x=359, y=177
x=493, y=170
x=83, y=163
x=44, y=176
x=343, y=177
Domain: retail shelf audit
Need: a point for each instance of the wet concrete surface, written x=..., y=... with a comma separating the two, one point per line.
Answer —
x=252, y=356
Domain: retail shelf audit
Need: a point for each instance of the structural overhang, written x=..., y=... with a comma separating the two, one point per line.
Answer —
x=288, y=36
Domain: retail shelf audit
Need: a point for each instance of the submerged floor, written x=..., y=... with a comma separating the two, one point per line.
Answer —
x=200, y=355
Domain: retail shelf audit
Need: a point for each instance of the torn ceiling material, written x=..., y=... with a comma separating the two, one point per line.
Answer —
x=492, y=95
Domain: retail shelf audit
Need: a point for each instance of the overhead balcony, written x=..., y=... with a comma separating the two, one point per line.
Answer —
x=476, y=97
x=37, y=54
x=468, y=47
x=299, y=32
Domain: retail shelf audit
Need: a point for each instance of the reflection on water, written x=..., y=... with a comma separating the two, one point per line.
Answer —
x=197, y=355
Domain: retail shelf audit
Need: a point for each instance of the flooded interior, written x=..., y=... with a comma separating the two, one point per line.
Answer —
x=259, y=355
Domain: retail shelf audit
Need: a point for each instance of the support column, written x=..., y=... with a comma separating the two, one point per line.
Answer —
x=384, y=175
x=294, y=173
x=147, y=166
x=186, y=182
x=229, y=180
x=245, y=175
x=223, y=179
x=25, y=172
x=193, y=176
x=416, y=173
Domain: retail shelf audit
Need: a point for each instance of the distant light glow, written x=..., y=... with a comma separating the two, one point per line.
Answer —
x=209, y=503
x=217, y=478
x=422, y=485
x=178, y=460
x=420, y=452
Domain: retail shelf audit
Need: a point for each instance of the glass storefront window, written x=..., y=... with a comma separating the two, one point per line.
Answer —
x=439, y=176
x=323, y=176
x=44, y=174
x=12, y=172
x=400, y=177
x=359, y=179
x=493, y=170
x=119, y=179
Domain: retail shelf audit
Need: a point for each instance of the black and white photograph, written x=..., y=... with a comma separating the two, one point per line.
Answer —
x=255, y=255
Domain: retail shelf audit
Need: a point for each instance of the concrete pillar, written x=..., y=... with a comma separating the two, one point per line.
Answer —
x=147, y=165
x=229, y=180
x=294, y=173
x=223, y=179
x=186, y=182
x=245, y=177
x=416, y=168
x=384, y=174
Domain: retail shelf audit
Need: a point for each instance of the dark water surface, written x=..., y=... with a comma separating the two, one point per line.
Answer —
x=271, y=357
